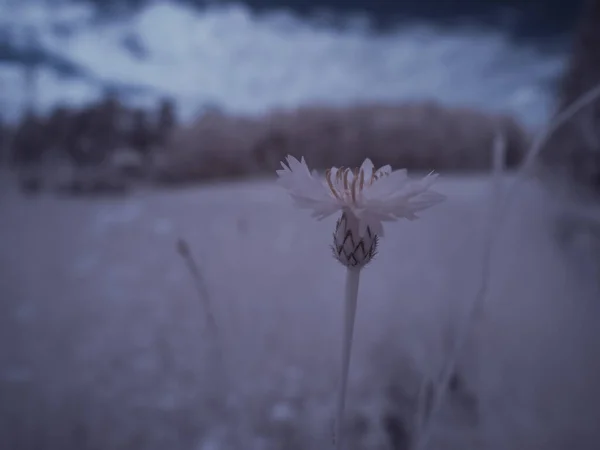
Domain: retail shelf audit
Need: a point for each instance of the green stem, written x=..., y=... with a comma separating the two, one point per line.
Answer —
x=351, y=297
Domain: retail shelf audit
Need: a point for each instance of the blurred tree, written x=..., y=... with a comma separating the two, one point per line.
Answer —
x=58, y=127
x=167, y=120
x=4, y=141
x=141, y=136
x=573, y=151
x=29, y=143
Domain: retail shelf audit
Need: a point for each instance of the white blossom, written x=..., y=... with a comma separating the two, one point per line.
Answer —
x=368, y=197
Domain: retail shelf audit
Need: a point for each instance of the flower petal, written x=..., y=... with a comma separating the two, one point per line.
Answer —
x=399, y=197
x=367, y=169
x=385, y=170
x=381, y=196
x=387, y=185
x=306, y=190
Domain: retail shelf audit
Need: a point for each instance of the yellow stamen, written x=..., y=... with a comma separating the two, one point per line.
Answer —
x=354, y=181
x=330, y=183
x=338, y=175
x=346, y=173
x=346, y=189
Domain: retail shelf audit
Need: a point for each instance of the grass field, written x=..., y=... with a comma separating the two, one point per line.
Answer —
x=105, y=345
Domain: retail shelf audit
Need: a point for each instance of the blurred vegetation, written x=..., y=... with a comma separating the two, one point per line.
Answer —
x=110, y=146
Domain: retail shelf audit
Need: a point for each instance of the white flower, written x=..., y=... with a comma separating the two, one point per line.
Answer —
x=369, y=196
x=366, y=198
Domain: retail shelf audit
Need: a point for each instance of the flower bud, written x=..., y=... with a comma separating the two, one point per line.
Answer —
x=349, y=248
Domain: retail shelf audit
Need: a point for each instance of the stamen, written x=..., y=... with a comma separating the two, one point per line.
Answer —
x=354, y=181
x=330, y=183
x=339, y=174
x=348, y=189
x=346, y=173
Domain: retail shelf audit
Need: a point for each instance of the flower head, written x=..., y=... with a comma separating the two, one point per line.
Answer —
x=367, y=196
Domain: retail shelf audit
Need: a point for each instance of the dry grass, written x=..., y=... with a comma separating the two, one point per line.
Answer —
x=572, y=155
x=110, y=347
x=421, y=136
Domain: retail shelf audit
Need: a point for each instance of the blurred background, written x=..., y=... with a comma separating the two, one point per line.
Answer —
x=112, y=81
x=137, y=134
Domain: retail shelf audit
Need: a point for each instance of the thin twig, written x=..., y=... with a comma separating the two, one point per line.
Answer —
x=498, y=166
x=184, y=250
x=425, y=398
x=476, y=308
x=215, y=337
x=542, y=139
x=498, y=216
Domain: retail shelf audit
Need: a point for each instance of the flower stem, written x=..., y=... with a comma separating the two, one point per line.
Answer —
x=351, y=299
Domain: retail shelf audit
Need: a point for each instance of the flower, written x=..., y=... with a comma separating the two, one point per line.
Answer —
x=365, y=196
